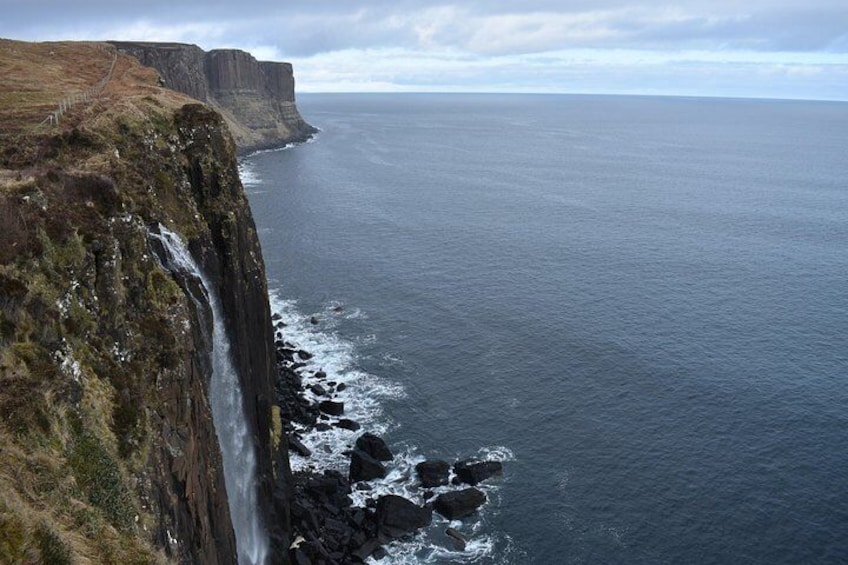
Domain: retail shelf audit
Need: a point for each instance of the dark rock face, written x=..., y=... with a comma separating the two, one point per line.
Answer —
x=374, y=446
x=331, y=407
x=458, y=504
x=472, y=472
x=256, y=98
x=363, y=467
x=433, y=473
x=230, y=255
x=397, y=516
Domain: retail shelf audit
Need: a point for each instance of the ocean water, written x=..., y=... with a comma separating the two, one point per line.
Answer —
x=639, y=304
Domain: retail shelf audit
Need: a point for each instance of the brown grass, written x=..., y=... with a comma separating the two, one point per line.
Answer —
x=36, y=77
x=64, y=492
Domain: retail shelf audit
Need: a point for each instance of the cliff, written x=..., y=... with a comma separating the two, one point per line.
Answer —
x=108, y=451
x=256, y=98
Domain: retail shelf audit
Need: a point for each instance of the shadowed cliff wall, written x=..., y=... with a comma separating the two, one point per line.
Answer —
x=107, y=447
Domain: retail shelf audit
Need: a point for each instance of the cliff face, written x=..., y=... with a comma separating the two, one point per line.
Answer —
x=108, y=451
x=256, y=98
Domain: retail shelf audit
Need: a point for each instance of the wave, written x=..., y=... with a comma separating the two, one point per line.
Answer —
x=248, y=175
x=363, y=396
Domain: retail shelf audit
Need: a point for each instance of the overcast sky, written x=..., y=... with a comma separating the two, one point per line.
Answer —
x=757, y=48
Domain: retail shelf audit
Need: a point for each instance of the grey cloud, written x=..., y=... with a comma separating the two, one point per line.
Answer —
x=305, y=27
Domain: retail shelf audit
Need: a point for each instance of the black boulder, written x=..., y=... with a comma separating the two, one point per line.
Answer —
x=458, y=504
x=433, y=473
x=397, y=516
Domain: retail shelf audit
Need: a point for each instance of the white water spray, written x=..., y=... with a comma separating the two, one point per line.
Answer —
x=225, y=397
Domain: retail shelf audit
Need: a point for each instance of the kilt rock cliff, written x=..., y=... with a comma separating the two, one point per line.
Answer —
x=127, y=250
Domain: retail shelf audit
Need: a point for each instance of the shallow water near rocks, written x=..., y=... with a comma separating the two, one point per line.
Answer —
x=639, y=302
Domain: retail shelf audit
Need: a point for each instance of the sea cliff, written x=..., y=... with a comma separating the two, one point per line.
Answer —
x=256, y=98
x=108, y=448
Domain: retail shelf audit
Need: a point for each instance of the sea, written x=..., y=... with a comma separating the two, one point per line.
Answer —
x=638, y=304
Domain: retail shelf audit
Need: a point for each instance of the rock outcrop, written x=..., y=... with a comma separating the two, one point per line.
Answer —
x=108, y=451
x=255, y=97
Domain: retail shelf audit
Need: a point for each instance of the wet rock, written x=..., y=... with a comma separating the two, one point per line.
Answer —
x=331, y=407
x=348, y=424
x=363, y=467
x=397, y=516
x=303, y=354
x=298, y=447
x=367, y=549
x=473, y=472
x=340, y=387
x=318, y=390
x=459, y=542
x=433, y=473
x=374, y=446
x=321, y=375
x=458, y=504
x=314, y=320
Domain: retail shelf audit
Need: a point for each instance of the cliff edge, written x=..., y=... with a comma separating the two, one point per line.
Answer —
x=256, y=98
x=108, y=452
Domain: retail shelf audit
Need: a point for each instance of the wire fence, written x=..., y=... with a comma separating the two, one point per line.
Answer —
x=88, y=94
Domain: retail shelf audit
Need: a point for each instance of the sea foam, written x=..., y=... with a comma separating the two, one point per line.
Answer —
x=363, y=398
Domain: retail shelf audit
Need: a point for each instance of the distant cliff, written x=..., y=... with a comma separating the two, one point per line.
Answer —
x=256, y=98
x=108, y=453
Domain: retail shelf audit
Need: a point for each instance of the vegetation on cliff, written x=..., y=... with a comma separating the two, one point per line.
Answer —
x=107, y=450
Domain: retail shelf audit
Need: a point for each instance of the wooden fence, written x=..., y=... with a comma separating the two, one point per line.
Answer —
x=88, y=94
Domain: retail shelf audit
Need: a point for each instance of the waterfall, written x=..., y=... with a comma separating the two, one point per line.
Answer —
x=225, y=397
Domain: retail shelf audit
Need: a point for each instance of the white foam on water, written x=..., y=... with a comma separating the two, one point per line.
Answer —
x=247, y=174
x=363, y=398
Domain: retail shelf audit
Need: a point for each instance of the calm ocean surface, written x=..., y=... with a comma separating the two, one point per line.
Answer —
x=640, y=303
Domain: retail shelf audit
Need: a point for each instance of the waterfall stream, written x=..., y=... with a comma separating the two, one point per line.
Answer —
x=225, y=397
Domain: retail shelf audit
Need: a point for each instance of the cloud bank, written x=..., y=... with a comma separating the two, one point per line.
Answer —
x=765, y=48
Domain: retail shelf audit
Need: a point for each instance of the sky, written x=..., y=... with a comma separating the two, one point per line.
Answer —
x=733, y=48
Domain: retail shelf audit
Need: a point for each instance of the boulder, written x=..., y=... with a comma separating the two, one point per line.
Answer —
x=303, y=354
x=363, y=467
x=366, y=549
x=397, y=516
x=318, y=390
x=458, y=540
x=331, y=407
x=433, y=473
x=320, y=375
x=458, y=504
x=347, y=424
x=472, y=472
x=374, y=446
x=296, y=446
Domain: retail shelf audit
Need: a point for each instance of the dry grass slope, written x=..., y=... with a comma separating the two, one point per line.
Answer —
x=73, y=438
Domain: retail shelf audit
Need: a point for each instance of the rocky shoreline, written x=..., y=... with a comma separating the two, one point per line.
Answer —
x=327, y=527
